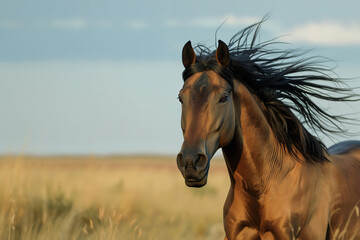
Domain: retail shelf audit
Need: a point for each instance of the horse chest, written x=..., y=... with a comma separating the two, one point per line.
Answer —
x=250, y=219
x=241, y=226
x=274, y=216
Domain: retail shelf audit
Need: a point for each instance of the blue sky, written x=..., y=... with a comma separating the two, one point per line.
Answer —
x=101, y=77
x=42, y=30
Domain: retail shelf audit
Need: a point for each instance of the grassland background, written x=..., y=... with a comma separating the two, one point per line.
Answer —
x=136, y=197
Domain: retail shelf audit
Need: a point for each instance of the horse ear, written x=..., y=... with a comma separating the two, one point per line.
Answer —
x=188, y=55
x=222, y=54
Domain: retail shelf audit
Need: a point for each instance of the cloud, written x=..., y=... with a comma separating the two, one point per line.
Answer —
x=61, y=23
x=137, y=25
x=72, y=23
x=212, y=22
x=326, y=33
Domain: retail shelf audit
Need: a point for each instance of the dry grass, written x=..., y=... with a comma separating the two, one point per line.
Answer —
x=107, y=198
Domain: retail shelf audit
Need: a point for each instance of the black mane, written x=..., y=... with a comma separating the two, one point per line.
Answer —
x=286, y=84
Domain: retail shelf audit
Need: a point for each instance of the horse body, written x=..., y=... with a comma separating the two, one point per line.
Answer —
x=293, y=200
x=285, y=184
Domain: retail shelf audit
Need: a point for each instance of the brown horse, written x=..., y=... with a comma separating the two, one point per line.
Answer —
x=285, y=184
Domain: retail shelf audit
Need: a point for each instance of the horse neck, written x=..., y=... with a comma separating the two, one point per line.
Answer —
x=254, y=155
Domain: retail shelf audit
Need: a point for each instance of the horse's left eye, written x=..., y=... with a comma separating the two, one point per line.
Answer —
x=223, y=99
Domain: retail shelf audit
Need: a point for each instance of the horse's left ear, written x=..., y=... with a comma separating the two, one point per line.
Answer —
x=222, y=54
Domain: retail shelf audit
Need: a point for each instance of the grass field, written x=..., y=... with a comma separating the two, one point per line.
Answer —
x=107, y=198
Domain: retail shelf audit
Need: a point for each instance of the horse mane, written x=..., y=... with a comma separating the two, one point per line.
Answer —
x=286, y=84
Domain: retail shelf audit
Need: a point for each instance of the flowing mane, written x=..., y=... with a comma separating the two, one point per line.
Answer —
x=287, y=85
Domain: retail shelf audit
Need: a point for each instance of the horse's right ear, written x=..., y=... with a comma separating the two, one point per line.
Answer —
x=188, y=55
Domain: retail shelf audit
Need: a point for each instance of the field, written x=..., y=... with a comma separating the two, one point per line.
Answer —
x=92, y=197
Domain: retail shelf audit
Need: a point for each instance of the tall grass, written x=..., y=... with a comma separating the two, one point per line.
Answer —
x=106, y=198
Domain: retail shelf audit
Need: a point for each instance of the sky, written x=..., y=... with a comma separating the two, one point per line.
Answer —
x=102, y=77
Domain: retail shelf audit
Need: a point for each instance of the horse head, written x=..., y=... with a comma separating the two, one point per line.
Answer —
x=208, y=118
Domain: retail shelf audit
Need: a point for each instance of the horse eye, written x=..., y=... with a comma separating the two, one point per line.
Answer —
x=180, y=100
x=223, y=99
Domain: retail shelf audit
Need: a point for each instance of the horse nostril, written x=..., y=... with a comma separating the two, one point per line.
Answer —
x=180, y=162
x=201, y=161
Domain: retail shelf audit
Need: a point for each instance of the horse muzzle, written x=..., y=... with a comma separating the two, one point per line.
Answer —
x=194, y=167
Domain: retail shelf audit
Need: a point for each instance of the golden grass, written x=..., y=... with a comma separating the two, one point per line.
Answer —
x=107, y=198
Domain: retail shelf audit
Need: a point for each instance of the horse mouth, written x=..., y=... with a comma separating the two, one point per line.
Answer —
x=192, y=182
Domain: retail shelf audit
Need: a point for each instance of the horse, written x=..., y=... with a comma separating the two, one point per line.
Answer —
x=256, y=103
